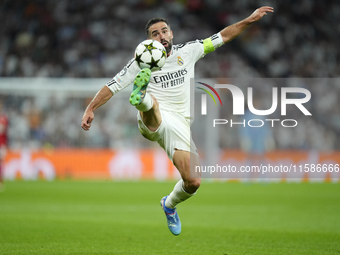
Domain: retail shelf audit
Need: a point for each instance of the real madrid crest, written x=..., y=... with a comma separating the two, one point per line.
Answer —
x=180, y=61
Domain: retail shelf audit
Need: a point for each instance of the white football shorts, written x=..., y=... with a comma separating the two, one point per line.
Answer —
x=173, y=133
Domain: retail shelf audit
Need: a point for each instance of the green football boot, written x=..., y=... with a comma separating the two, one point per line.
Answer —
x=139, y=86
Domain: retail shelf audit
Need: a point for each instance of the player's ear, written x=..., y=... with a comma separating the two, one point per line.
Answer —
x=172, y=36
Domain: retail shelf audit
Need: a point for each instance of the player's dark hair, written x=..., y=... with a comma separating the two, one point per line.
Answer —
x=154, y=21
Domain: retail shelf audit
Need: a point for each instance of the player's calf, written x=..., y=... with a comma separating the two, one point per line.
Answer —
x=185, y=162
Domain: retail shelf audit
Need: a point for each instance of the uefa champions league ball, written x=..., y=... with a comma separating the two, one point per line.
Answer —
x=150, y=54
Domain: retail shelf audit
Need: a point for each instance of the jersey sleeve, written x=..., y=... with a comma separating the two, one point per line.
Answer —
x=124, y=78
x=200, y=48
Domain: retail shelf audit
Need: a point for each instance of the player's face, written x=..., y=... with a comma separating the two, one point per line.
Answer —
x=162, y=33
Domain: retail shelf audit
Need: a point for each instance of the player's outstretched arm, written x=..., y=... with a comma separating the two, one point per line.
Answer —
x=99, y=99
x=232, y=31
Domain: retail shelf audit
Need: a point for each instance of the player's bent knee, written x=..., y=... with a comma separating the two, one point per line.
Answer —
x=196, y=183
x=192, y=185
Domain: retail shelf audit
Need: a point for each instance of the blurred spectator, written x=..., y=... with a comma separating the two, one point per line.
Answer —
x=85, y=38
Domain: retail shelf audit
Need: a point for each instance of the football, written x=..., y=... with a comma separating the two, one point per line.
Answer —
x=150, y=54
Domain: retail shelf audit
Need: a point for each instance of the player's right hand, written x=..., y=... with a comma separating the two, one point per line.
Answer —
x=86, y=120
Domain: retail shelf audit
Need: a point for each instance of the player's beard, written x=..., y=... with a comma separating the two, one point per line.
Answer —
x=169, y=47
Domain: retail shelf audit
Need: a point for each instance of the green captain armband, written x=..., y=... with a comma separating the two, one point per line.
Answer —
x=208, y=45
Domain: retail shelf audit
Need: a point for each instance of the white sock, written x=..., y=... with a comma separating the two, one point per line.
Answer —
x=146, y=104
x=177, y=196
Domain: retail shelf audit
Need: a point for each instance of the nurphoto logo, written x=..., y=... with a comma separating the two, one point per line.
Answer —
x=239, y=105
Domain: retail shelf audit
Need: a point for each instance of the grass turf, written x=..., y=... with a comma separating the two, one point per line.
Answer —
x=69, y=217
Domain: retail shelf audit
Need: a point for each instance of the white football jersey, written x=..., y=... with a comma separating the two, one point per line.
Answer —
x=171, y=84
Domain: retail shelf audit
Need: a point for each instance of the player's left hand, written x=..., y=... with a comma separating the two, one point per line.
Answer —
x=260, y=12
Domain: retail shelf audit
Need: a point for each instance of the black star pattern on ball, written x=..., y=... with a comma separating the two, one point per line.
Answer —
x=150, y=47
x=153, y=63
x=138, y=58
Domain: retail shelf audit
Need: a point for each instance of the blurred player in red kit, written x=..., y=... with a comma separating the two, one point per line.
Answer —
x=3, y=140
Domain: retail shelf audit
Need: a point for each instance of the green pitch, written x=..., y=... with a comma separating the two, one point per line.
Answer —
x=66, y=217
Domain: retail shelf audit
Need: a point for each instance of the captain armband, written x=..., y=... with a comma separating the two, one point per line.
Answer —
x=212, y=43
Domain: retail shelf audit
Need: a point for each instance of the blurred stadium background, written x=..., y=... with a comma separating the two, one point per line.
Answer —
x=55, y=55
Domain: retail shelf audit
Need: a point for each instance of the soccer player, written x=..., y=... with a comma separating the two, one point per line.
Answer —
x=163, y=102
